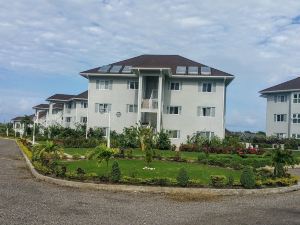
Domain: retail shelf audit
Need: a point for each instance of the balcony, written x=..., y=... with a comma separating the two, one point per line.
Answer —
x=150, y=104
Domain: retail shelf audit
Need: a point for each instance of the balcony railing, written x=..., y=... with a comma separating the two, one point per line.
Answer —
x=149, y=104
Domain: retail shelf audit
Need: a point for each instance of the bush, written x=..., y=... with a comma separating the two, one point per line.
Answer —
x=156, y=154
x=71, y=175
x=60, y=171
x=247, y=178
x=91, y=176
x=202, y=156
x=163, y=141
x=182, y=178
x=41, y=168
x=80, y=172
x=189, y=148
x=218, y=181
x=281, y=182
x=115, y=172
x=72, y=142
x=230, y=180
x=129, y=153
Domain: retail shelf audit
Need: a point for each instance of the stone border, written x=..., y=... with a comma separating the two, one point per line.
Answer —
x=157, y=189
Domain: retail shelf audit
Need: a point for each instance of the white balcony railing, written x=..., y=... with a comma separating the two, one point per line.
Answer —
x=149, y=104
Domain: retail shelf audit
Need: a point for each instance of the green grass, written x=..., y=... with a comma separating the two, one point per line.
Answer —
x=162, y=169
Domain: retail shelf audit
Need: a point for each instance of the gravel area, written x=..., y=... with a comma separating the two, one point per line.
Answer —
x=24, y=200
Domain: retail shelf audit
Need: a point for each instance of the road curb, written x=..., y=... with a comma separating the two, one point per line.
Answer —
x=157, y=190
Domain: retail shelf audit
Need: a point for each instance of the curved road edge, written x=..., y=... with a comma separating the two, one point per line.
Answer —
x=157, y=190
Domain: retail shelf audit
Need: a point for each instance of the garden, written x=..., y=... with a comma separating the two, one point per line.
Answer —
x=140, y=157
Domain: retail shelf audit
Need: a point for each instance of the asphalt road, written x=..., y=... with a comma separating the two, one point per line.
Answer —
x=24, y=200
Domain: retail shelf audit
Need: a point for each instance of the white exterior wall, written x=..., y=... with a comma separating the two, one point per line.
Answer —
x=76, y=112
x=54, y=119
x=289, y=108
x=119, y=96
x=189, y=98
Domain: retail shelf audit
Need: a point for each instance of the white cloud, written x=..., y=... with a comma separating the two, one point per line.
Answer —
x=258, y=41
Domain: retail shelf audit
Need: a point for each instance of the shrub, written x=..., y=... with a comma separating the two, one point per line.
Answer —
x=60, y=171
x=80, y=172
x=91, y=176
x=71, y=175
x=284, y=181
x=182, y=178
x=76, y=156
x=202, y=156
x=129, y=153
x=177, y=156
x=163, y=141
x=41, y=168
x=230, y=180
x=189, y=148
x=115, y=172
x=247, y=178
x=156, y=154
x=218, y=181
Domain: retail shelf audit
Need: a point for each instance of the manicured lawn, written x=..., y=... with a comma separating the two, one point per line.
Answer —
x=163, y=169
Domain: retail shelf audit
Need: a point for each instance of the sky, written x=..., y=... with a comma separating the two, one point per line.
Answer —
x=45, y=44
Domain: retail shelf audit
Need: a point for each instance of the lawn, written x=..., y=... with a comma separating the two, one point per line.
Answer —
x=163, y=169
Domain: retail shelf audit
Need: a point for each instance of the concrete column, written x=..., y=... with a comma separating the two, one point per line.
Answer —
x=140, y=98
x=159, y=110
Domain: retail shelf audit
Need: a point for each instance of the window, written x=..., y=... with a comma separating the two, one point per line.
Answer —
x=296, y=136
x=205, y=70
x=83, y=119
x=174, y=110
x=180, y=70
x=104, y=131
x=133, y=85
x=115, y=69
x=280, y=135
x=296, y=118
x=84, y=105
x=280, y=98
x=206, y=111
x=104, y=84
x=173, y=133
x=206, y=134
x=102, y=107
x=132, y=108
x=68, y=119
x=175, y=86
x=104, y=69
x=296, y=98
x=280, y=117
x=208, y=87
x=193, y=69
x=127, y=69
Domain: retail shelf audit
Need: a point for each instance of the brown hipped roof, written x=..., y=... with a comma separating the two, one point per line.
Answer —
x=83, y=95
x=284, y=87
x=160, y=61
x=61, y=97
x=41, y=106
x=20, y=118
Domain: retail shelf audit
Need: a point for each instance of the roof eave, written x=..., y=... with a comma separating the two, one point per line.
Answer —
x=278, y=91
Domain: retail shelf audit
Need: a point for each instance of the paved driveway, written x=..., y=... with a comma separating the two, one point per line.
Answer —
x=24, y=201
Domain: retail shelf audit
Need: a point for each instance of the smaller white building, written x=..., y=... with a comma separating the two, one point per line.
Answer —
x=283, y=109
x=19, y=126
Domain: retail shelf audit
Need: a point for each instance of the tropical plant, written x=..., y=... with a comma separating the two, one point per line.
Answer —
x=145, y=137
x=281, y=159
x=27, y=121
x=163, y=141
x=47, y=152
x=101, y=153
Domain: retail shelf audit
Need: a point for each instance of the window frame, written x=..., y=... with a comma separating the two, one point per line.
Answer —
x=169, y=132
x=172, y=108
x=103, y=84
x=173, y=85
x=134, y=108
x=135, y=85
x=280, y=118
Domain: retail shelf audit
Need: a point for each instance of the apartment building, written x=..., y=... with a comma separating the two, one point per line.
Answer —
x=168, y=92
x=67, y=110
x=283, y=109
x=19, y=126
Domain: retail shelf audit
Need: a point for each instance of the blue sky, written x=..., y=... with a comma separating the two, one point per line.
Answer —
x=45, y=44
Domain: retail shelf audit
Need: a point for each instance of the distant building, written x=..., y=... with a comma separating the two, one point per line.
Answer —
x=283, y=109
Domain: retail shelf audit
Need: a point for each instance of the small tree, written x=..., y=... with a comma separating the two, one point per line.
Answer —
x=280, y=159
x=145, y=136
x=163, y=141
x=101, y=153
x=182, y=178
x=115, y=172
x=247, y=177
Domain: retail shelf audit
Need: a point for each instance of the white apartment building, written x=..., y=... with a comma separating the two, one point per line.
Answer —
x=283, y=109
x=67, y=110
x=168, y=92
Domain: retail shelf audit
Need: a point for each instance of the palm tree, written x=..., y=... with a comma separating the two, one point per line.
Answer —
x=145, y=136
x=47, y=151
